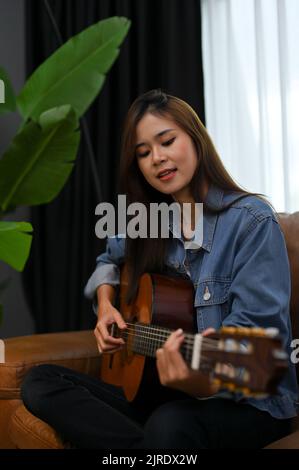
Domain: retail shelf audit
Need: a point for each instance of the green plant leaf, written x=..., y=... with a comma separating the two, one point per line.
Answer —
x=75, y=73
x=40, y=159
x=15, y=242
x=7, y=96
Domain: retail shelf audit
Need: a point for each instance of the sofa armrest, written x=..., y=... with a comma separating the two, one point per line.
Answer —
x=76, y=350
x=289, y=442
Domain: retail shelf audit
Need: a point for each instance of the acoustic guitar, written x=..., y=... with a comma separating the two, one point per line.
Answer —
x=249, y=360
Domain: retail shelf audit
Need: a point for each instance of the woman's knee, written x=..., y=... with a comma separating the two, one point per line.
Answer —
x=34, y=386
x=170, y=426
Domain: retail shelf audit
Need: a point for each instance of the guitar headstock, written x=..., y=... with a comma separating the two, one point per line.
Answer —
x=247, y=360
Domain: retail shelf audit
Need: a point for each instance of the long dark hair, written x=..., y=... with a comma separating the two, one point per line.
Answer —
x=148, y=254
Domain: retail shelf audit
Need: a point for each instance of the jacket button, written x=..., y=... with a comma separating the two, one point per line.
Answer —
x=207, y=294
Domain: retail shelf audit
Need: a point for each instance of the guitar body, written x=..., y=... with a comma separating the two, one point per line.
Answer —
x=161, y=300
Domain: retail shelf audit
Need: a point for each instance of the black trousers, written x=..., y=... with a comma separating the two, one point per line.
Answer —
x=93, y=415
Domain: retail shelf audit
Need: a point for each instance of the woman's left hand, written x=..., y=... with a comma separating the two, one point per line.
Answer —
x=175, y=373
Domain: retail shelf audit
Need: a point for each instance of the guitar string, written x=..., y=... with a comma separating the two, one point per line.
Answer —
x=204, y=358
x=164, y=334
x=162, y=340
x=187, y=353
x=157, y=331
x=145, y=340
x=150, y=327
x=147, y=348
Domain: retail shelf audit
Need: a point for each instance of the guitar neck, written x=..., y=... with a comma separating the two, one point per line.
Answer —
x=145, y=339
x=244, y=359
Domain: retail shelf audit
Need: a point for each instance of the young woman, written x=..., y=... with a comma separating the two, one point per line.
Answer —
x=241, y=278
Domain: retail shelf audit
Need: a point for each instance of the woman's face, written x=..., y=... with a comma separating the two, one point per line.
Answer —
x=166, y=156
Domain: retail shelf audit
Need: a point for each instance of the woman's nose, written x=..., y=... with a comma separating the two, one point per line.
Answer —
x=158, y=156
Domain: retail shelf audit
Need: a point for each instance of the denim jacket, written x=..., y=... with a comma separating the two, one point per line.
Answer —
x=243, y=266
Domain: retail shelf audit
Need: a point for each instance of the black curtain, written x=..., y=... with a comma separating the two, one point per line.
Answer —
x=162, y=50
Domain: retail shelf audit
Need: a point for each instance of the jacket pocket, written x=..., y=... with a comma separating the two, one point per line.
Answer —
x=211, y=302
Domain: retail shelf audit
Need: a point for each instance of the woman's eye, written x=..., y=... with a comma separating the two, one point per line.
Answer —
x=143, y=154
x=165, y=144
x=168, y=142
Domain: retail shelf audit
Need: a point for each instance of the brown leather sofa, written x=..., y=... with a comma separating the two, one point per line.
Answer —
x=19, y=429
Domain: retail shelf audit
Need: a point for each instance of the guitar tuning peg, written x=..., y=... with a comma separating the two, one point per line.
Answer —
x=243, y=330
x=272, y=332
x=258, y=331
x=244, y=390
x=228, y=329
x=231, y=386
x=216, y=382
x=254, y=331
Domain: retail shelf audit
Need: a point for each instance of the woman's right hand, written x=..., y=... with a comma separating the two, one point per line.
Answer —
x=108, y=314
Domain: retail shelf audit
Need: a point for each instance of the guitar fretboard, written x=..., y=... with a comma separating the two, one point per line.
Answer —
x=246, y=359
x=146, y=339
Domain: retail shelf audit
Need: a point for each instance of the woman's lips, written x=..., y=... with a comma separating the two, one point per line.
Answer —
x=168, y=176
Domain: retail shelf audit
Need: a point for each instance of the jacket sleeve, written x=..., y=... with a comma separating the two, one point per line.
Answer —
x=107, y=266
x=259, y=294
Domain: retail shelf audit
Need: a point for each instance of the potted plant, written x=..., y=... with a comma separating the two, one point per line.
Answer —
x=40, y=158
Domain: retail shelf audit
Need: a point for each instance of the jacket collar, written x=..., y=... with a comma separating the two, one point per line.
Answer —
x=214, y=199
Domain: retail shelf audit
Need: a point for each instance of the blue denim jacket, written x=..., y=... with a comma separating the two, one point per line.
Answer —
x=243, y=265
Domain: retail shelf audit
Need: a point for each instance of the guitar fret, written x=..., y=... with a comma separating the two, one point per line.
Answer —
x=148, y=338
x=147, y=343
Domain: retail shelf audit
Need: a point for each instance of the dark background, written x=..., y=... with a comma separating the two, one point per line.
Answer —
x=162, y=50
